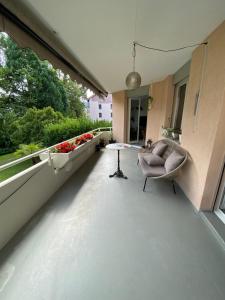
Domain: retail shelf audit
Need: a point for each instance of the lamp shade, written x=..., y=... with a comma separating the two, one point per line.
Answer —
x=133, y=80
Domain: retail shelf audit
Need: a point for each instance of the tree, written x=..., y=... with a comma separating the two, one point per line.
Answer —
x=74, y=93
x=28, y=82
x=5, y=130
x=30, y=127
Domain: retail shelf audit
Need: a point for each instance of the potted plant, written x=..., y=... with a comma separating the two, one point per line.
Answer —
x=172, y=133
x=25, y=150
x=102, y=143
x=112, y=141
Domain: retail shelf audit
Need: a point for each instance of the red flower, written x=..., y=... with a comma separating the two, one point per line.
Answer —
x=83, y=138
x=65, y=147
x=88, y=136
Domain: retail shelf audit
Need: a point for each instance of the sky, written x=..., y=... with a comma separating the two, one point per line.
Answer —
x=89, y=93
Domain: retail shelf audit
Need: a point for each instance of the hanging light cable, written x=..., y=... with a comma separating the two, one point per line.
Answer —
x=133, y=79
x=169, y=50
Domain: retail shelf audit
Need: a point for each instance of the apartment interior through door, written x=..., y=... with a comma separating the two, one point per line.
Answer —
x=138, y=109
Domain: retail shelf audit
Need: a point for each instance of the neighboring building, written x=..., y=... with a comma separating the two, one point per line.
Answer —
x=99, y=108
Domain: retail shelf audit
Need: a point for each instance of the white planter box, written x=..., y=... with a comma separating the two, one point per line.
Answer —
x=61, y=159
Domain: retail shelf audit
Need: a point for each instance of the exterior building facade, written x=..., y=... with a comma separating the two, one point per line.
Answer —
x=99, y=108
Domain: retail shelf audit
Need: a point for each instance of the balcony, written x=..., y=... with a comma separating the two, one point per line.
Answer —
x=68, y=231
x=102, y=238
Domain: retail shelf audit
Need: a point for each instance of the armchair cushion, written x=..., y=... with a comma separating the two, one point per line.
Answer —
x=159, y=148
x=151, y=171
x=173, y=161
x=154, y=160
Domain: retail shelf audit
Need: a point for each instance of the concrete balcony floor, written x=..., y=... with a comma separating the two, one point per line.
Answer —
x=101, y=238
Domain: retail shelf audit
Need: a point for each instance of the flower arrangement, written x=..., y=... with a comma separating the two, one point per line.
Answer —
x=67, y=147
x=64, y=147
x=83, y=139
x=88, y=136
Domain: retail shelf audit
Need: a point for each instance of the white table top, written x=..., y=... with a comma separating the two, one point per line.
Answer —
x=121, y=146
x=117, y=146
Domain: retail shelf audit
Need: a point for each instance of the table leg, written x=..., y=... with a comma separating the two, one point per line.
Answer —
x=119, y=172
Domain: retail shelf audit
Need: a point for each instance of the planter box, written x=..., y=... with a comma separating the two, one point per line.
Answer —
x=61, y=159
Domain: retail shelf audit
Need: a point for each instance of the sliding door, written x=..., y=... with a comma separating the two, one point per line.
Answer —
x=220, y=201
x=137, y=121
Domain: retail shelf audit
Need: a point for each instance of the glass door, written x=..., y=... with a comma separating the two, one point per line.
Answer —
x=137, y=121
x=134, y=109
x=220, y=201
x=143, y=111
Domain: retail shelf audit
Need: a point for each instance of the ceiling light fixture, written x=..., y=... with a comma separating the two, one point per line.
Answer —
x=133, y=79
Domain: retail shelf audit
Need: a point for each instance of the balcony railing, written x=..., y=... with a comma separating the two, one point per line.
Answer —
x=26, y=192
x=35, y=154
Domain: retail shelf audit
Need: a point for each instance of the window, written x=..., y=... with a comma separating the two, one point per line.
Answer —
x=100, y=115
x=178, y=104
x=100, y=106
x=111, y=105
x=111, y=115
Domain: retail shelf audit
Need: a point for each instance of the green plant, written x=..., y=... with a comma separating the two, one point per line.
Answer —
x=25, y=150
x=30, y=128
x=69, y=128
x=167, y=131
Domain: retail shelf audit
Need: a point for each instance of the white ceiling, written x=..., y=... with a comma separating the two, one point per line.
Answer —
x=100, y=33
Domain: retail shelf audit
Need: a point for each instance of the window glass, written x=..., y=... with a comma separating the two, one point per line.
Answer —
x=178, y=105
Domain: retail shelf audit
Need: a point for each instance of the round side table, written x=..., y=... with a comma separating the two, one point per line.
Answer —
x=118, y=147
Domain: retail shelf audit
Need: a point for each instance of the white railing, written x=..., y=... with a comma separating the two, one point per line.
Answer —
x=19, y=160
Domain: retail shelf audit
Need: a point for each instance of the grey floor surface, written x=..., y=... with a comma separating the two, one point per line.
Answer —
x=104, y=239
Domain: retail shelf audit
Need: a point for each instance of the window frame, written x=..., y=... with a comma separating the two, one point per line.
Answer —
x=175, y=107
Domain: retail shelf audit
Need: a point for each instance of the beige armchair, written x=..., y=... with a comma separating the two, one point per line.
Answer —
x=163, y=161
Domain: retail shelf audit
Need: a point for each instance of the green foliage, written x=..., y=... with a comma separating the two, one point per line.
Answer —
x=48, y=127
x=68, y=128
x=74, y=93
x=28, y=81
x=5, y=129
x=25, y=150
x=6, y=158
x=38, y=104
x=5, y=174
x=30, y=128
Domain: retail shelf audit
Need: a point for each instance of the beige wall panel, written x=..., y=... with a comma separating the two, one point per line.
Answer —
x=160, y=113
x=203, y=135
x=120, y=111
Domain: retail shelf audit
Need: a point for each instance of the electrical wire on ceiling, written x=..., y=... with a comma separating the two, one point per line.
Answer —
x=169, y=50
x=133, y=79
